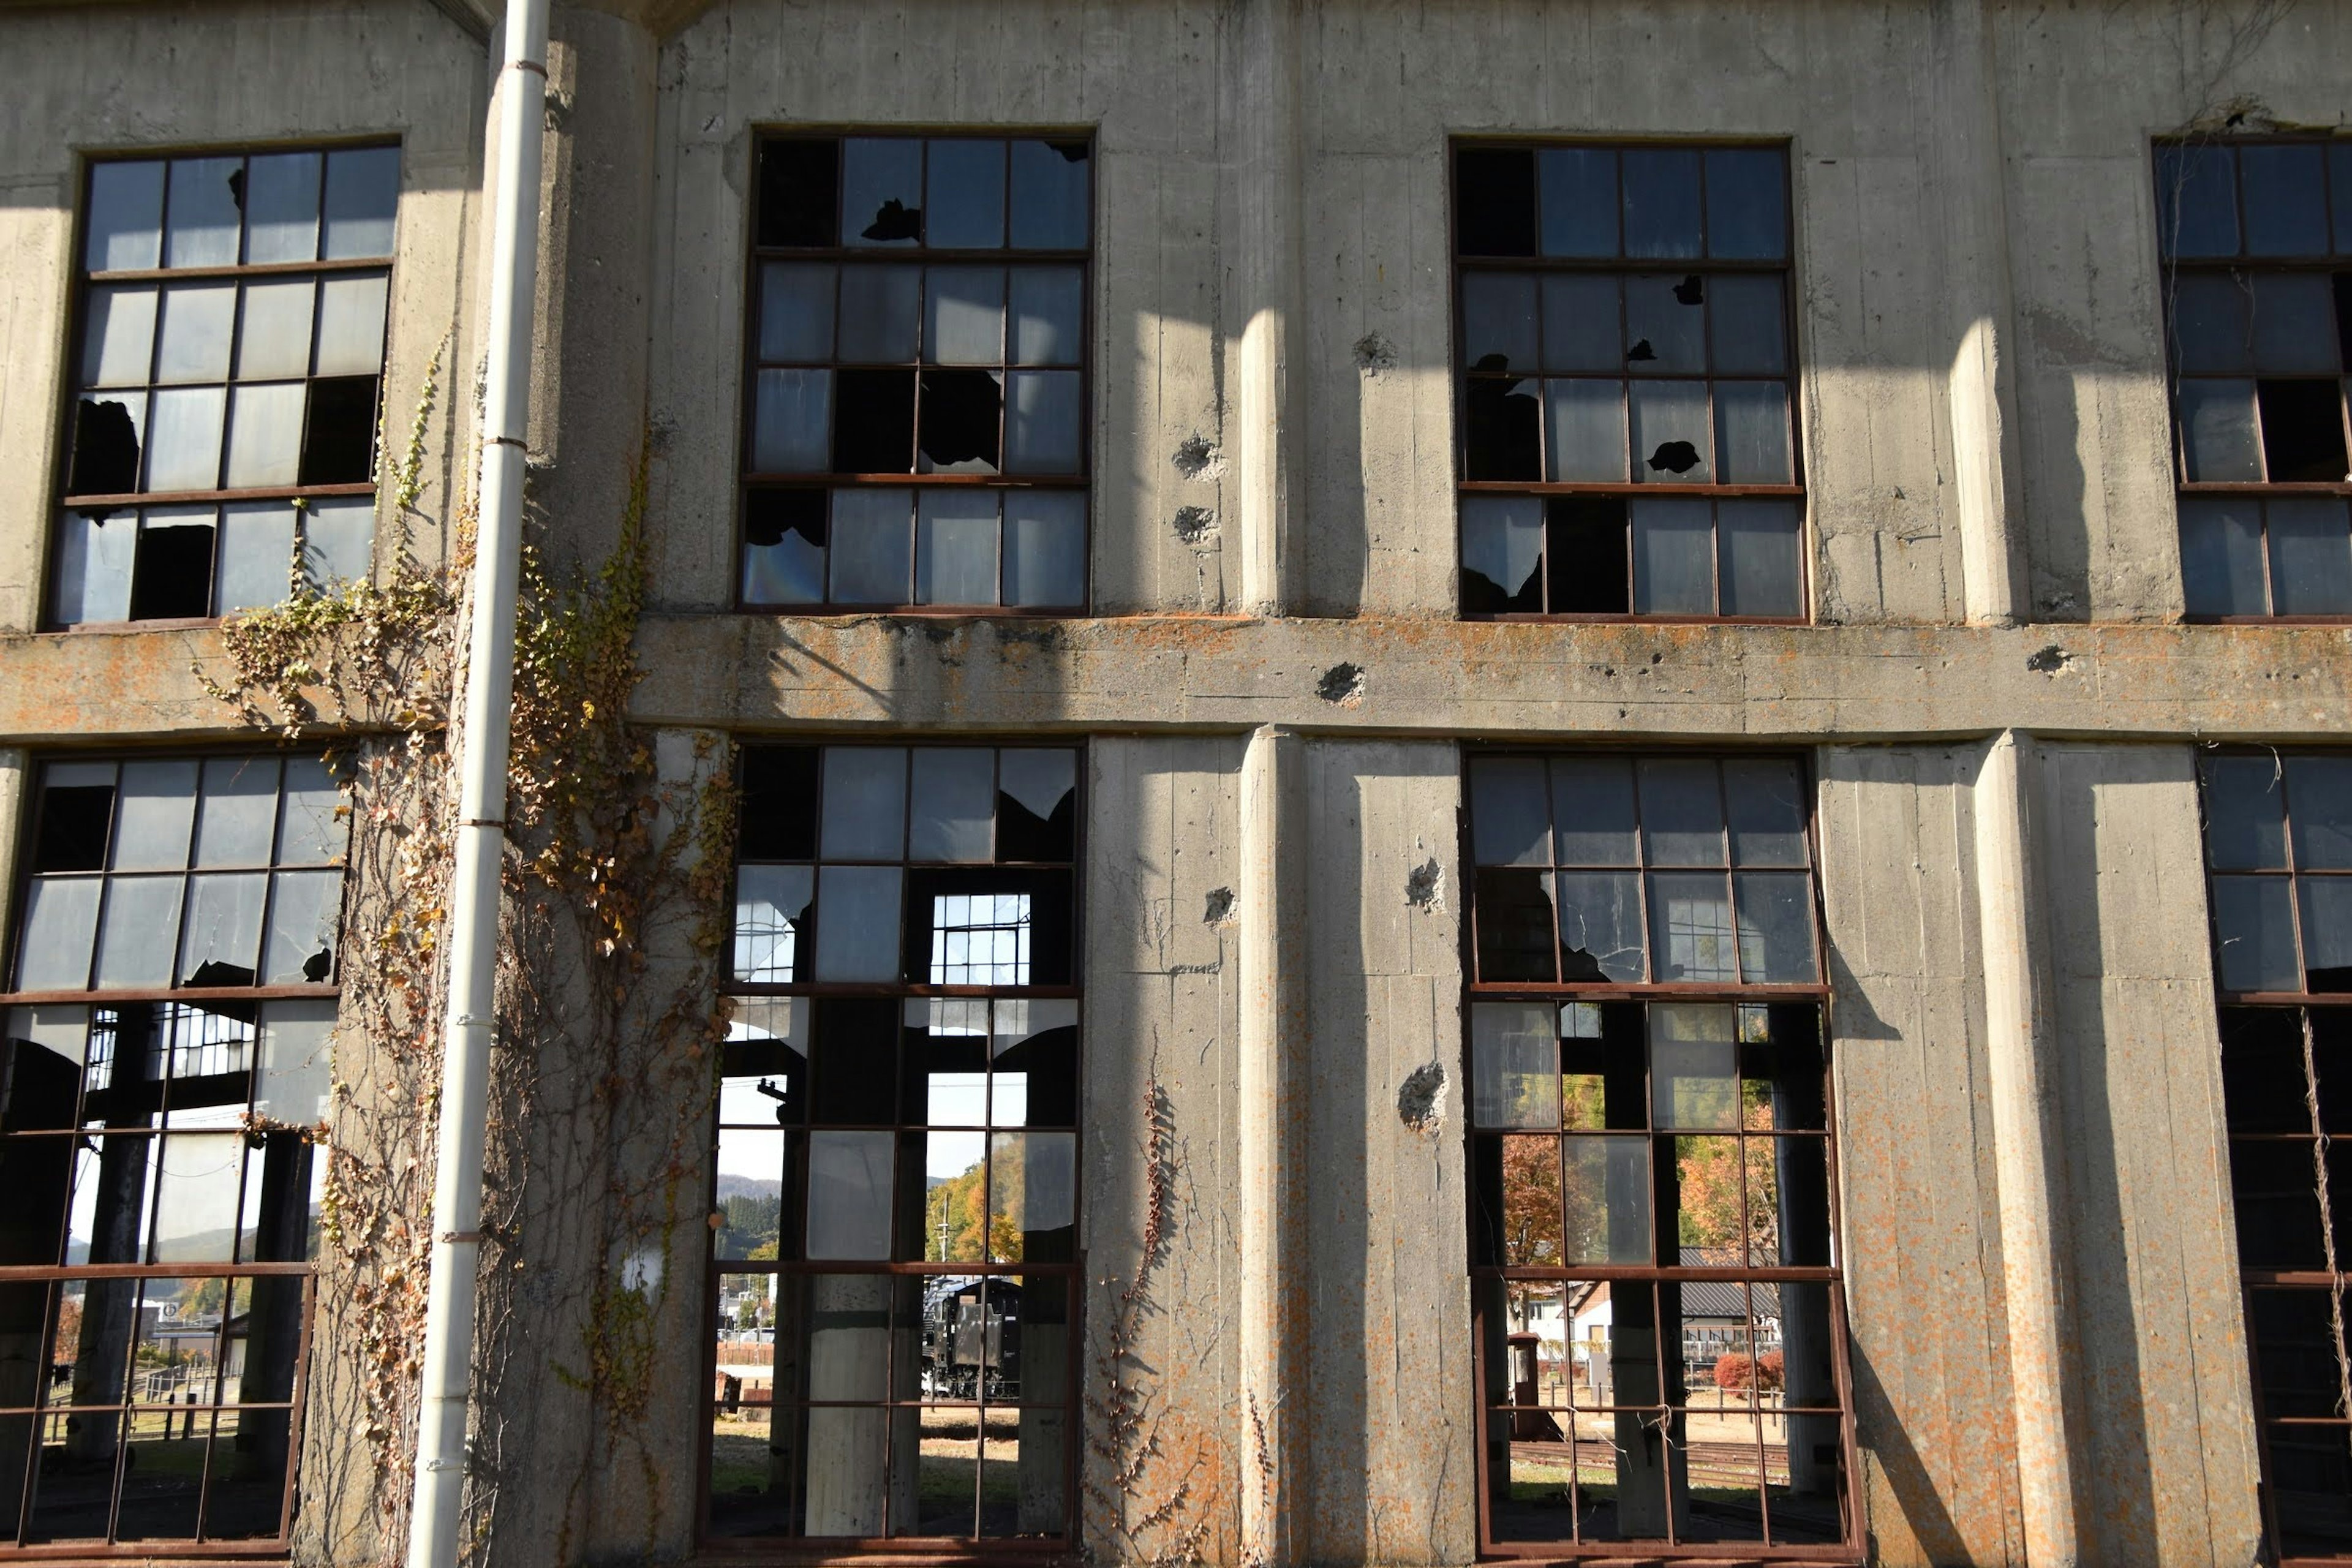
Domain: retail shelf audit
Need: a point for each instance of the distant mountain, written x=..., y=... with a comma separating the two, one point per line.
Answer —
x=748, y=1187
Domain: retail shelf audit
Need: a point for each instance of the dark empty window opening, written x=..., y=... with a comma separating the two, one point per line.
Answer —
x=896, y=1289
x=230, y=319
x=1656, y=1294
x=917, y=363
x=1627, y=374
x=2256, y=235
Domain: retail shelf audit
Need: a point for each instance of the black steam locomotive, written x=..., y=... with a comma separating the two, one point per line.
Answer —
x=971, y=1338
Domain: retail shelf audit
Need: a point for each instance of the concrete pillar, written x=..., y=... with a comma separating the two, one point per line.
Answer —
x=1271, y=1138
x=1266, y=271
x=2028, y=1151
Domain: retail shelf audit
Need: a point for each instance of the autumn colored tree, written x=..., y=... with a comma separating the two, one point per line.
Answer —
x=1711, y=1169
x=958, y=1225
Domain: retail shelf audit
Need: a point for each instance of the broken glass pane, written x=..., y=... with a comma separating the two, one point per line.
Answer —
x=264, y=434
x=305, y=907
x=77, y=807
x=1751, y=420
x=1501, y=438
x=849, y=1195
x=119, y=336
x=1035, y=805
x=1762, y=557
x=2217, y=430
x=963, y=200
x=1048, y=307
x=2212, y=326
x=107, y=435
x=2253, y=934
x=351, y=324
x=1690, y=927
x=1502, y=554
x=954, y=801
x=870, y=545
x=1498, y=320
x=796, y=311
x=963, y=414
x=201, y=226
x=1746, y=328
x=2303, y=431
x=362, y=195
x=784, y=546
x=1033, y=1185
x=1666, y=325
x=1494, y=201
x=1514, y=1065
x=955, y=548
x=1671, y=441
x=273, y=338
x=1747, y=204
x=139, y=932
x=2285, y=200
x=1682, y=813
x=1042, y=423
x=1509, y=823
x=881, y=191
x=771, y=903
x=60, y=925
x=339, y=432
x=2222, y=556
x=881, y=314
x=1513, y=913
x=281, y=208
x=1607, y=1217
x=2197, y=200
x=1049, y=196
x=1530, y=1195
x=197, y=1198
x=339, y=540
x=222, y=929
x=858, y=923
x=2311, y=557
x=1593, y=811
x=864, y=803
x=963, y=315
x=1588, y=430
x=173, y=573
x=2246, y=814
x=1765, y=800
x=297, y=1058
x=237, y=812
x=125, y=217
x=2322, y=788
x=1579, y=200
x=1662, y=209
x=1600, y=926
x=184, y=439
x=2327, y=904
x=308, y=831
x=2293, y=324
x=789, y=423
x=94, y=559
x=1693, y=1065
x=1673, y=557
x=198, y=321
x=798, y=178
x=1776, y=927
x=1581, y=329
x=1045, y=548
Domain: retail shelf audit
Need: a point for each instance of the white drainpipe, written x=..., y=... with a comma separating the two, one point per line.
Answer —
x=444, y=1394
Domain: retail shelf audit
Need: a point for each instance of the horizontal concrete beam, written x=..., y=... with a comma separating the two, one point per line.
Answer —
x=1381, y=676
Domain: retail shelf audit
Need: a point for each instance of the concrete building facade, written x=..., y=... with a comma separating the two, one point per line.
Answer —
x=2038, y=1301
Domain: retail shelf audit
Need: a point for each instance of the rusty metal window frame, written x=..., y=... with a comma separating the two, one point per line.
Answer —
x=131, y=506
x=2241, y=268
x=2281, y=1055
x=787, y=1011
x=229, y=1038
x=920, y=258
x=1621, y=267
x=1595, y=1002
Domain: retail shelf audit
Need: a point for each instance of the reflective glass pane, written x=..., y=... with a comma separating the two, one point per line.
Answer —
x=1607, y=1208
x=2222, y=556
x=871, y=545
x=2294, y=323
x=955, y=548
x=2197, y=200
x=963, y=315
x=1502, y=553
x=784, y=534
x=2321, y=790
x=139, y=932
x=791, y=421
x=2212, y=326
x=1745, y=325
x=339, y=539
x=1514, y=1065
x=1593, y=807
x=200, y=228
x=1588, y=432
x=198, y=320
x=184, y=437
x=796, y=311
x=1666, y=325
x=305, y=909
x=362, y=193
x=881, y=314
x=94, y=559
x=60, y=927
x=2285, y=200
x=1693, y=1065
x=237, y=814
x=1049, y=194
x=1600, y=926
x=281, y=208
x=849, y=1195
x=273, y=338
x=2246, y=814
x=351, y=324
x=963, y=205
x=1673, y=557
x=1662, y=201
x=158, y=806
x=858, y=923
x=1507, y=819
x=881, y=191
x=265, y=435
x=1762, y=546
x=864, y=803
x=1032, y=1191
x=1042, y=421
x=1751, y=427
x=222, y=932
x=1690, y=927
x=1579, y=194
x=1747, y=204
x=1766, y=803
x=1048, y=305
x=771, y=907
x=1582, y=331
x=2253, y=934
x=1672, y=442
x=119, y=336
x=2311, y=557
x=1498, y=320
x=309, y=831
x=296, y=1061
x=1682, y=813
x=954, y=800
x=1046, y=547
x=125, y=217
x=1776, y=927
x=2217, y=430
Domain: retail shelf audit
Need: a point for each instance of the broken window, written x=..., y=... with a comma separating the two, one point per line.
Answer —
x=895, y=1279
x=1629, y=444
x=167, y=1053
x=2256, y=236
x=222, y=439
x=916, y=433
x=2278, y=848
x=1656, y=1291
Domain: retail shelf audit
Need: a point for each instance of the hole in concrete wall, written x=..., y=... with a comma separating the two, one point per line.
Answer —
x=1197, y=457
x=1343, y=684
x=1195, y=525
x=2048, y=660
x=1219, y=910
x=1424, y=885
x=1421, y=1100
x=1375, y=353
